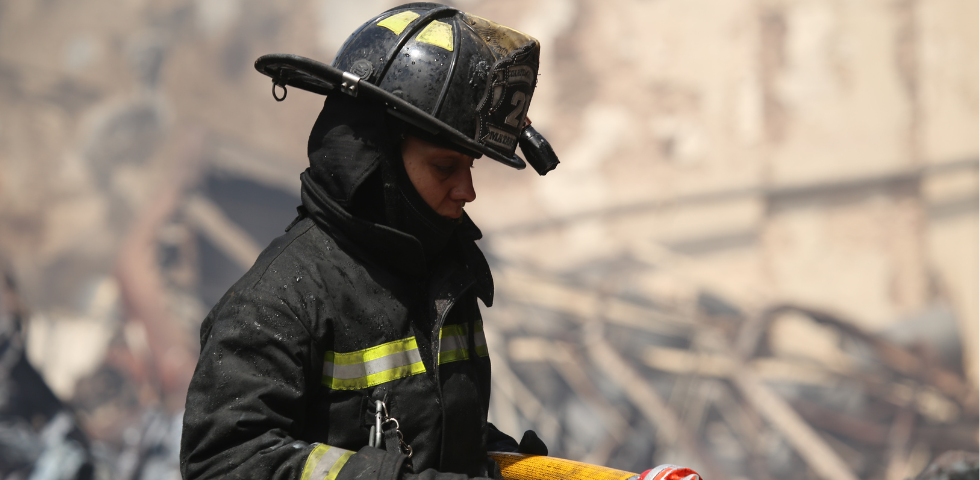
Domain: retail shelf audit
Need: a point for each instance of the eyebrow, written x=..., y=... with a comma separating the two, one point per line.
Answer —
x=456, y=156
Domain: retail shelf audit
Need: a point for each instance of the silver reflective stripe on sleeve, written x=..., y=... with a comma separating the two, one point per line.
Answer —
x=371, y=367
x=481, y=341
x=325, y=462
x=454, y=343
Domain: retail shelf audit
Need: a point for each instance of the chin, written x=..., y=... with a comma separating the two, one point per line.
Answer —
x=453, y=214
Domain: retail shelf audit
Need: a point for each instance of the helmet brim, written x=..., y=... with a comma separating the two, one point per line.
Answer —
x=320, y=78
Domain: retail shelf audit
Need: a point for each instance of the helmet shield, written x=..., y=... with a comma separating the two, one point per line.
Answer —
x=463, y=79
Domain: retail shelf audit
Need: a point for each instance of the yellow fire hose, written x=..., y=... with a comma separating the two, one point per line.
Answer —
x=518, y=466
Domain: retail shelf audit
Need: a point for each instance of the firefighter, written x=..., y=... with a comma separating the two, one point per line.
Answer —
x=354, y=346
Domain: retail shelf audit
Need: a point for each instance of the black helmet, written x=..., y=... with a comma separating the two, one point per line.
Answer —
x=461, y=79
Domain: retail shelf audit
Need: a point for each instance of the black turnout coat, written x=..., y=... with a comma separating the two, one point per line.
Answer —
x=335, y=314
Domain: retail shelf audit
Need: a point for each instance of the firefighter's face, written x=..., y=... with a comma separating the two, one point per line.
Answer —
x=440, y=175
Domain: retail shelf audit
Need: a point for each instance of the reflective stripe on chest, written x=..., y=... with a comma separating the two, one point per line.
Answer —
x=398, y=359
x=454, y=340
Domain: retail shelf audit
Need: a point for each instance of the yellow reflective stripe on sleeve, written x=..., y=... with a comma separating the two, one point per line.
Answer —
x=437, y=33
x=397, y=23
x=313, y=460
x=372, y=353
x=325, y=462
x=374, y=379
x=454, y=343
x=398, y=359
x=372, y=366
x=335, y=469
x=481, y=341
x=453, y=330
x=453, y=356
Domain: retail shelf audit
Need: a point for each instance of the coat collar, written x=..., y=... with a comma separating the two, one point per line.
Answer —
x=391, y=248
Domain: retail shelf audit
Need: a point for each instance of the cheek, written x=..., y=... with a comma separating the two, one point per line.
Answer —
x=414, y=171
x=430, y=188
x=419, y=177
x=439, y=192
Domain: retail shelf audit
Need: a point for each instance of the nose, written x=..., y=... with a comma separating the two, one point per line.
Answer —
x=463, y=188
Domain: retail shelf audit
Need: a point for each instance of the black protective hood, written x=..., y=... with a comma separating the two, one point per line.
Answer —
x=346, y=146
x=355, y=159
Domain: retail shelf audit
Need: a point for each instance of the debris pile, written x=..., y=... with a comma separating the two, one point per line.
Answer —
x=627, y=382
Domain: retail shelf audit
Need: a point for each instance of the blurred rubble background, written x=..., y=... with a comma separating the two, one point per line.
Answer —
x=759, y=256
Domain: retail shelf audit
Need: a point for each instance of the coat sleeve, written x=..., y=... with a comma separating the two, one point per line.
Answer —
x=498, y=441
x=247, y=401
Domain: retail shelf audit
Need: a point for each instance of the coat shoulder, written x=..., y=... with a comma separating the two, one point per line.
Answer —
x=298, y=251
x=286, y=280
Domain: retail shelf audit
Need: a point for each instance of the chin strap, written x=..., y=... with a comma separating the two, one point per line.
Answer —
x=407, y=212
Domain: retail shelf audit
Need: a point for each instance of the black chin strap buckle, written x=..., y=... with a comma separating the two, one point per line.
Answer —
x=537, y=151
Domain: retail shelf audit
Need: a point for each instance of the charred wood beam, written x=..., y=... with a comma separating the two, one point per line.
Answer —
x=581, y=304
x=141, y=283
x=565, y=360
x=231, y=157
x=773, y=195
x=893, y=357
x=510, y=386
x=208, y=219
x=670, y=430
x=804, y=439
x=858, y=429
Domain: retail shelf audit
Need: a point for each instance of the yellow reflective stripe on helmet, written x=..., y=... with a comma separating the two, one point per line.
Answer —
x=437, y=33
x=372, y=366
x=325, y=462
x=397, y=23
x=502, y=40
